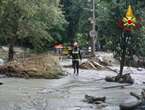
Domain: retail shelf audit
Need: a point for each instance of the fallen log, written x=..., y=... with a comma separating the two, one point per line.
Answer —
x=117, y=86
x=135, y=95
x=97, y=64
x=99, y=79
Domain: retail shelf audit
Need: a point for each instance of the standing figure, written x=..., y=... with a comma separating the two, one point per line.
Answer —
x=76, y=57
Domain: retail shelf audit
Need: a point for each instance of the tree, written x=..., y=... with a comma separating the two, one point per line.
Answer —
x=73, y=10
x=35, y=21
x=9, y=24
x=78, y=14
x=128, y=42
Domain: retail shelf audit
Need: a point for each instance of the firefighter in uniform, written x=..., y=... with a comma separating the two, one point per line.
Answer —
x=76, y=57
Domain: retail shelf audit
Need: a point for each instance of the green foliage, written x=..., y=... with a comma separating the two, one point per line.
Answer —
x=78, y=13
x=39, y=23
x=82, y=40
x=35, y=21
x=108, y=12
x=73, y=11
x=135, y=40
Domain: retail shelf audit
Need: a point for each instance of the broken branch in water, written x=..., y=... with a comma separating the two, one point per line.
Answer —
x=100, y=79
x=135, y=95
x=122, y=86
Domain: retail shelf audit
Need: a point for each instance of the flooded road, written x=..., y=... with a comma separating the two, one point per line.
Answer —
x=66, y=93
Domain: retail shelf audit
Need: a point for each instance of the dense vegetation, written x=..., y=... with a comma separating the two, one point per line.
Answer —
x=33, y=23
x=108, y=15
x=38, y=24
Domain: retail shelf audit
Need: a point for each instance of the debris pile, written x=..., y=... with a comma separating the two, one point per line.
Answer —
x=126, y=78
x=91, y=64
x=101, y=61
x=36, y=66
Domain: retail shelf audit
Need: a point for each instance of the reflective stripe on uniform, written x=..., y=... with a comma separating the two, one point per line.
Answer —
x=75, y=52
x=75, y=59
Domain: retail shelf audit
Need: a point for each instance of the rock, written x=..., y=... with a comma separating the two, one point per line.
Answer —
x=130, y=105
x=138, y=104
x=141, y=107
x=139, y=69
x=94, y=100
x=1, y=83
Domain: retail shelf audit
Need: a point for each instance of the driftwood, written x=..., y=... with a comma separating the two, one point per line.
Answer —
x=99, y=79
x=91, y=65
x=117, y=86
x=135, y=95
x=97, y=64
x=134, y=105
x=94, y=100
x=126, y=78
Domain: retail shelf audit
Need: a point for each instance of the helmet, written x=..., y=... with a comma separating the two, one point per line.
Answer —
x=75, y=44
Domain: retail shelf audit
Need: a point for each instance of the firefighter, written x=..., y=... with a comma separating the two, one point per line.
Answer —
x=76, y=57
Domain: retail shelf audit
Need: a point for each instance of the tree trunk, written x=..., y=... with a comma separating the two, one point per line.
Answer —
x=93, y=45
x=123, y=54
x=122, y=62
x=11, y=53
x=11, y=49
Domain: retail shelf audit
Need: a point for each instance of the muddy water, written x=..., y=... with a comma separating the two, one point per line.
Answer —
x=66, y=93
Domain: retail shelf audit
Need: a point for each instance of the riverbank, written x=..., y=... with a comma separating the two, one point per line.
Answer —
x=35, y=66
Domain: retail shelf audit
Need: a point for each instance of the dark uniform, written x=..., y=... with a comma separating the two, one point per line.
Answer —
x=76, y=56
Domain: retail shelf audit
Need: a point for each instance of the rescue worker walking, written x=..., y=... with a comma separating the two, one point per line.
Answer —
x=76, y=57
